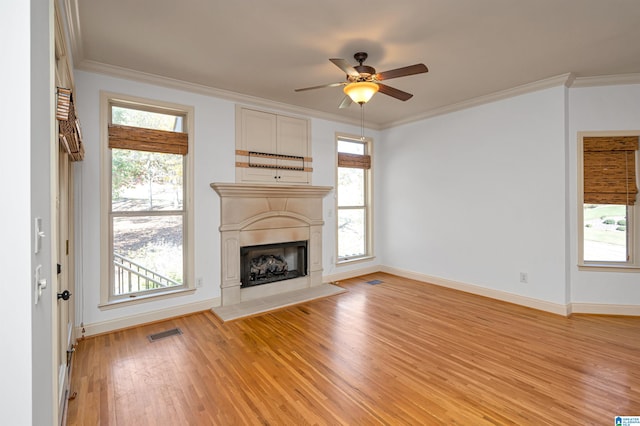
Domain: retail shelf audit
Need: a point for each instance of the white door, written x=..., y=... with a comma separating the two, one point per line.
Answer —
x=64, y=302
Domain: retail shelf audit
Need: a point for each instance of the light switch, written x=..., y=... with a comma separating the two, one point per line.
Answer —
x=38, y=235
x=40, y=284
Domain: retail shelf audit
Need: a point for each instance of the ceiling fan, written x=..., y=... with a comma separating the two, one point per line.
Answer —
x=363, y=82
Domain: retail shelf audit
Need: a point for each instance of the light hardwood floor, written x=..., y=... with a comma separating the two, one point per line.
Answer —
x=400, y=352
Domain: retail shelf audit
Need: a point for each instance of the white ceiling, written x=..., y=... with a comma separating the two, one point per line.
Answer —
x=266, y=49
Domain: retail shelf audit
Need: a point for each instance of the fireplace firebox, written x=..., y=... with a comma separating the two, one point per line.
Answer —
x=267, y=263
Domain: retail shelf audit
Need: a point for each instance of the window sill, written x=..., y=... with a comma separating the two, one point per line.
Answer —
x=608, y=267
x=120, y=303
x=343, y=262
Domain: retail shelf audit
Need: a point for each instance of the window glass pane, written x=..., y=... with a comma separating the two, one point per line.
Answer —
x=349, y=147
x=146, y=119
x=147, y=253
x=605, y=232
x=146, y=180
x=350, y=187
x=351, y=233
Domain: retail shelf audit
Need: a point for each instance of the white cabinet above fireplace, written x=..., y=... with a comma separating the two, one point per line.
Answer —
x=272, y=148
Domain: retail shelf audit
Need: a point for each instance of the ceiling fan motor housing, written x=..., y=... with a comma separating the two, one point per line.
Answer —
x=365, y=71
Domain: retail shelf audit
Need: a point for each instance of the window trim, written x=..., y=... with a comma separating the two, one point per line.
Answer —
x=110, y=98
x=369, y=237
x=633, y=213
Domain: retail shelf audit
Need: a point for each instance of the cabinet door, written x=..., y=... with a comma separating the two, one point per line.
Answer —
x=258, y=134
x=293, y=139
x=292, y=136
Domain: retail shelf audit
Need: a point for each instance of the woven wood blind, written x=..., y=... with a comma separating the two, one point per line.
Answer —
x=127, y=137
x=63, y=104
x=355, y=161
x=69, y=134
x=610, y=170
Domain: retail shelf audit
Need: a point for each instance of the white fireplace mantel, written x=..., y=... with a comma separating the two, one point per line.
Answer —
x=244, y=190
x=268, y=214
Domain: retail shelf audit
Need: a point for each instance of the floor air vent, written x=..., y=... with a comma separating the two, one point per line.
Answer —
x=163, y=334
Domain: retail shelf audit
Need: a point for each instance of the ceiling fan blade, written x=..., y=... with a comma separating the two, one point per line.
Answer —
x=393, y=92
x=346, y=102
x=320, y=87
x=401, y=72
x=346, y=67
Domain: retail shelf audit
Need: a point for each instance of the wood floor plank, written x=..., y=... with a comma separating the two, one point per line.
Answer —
x=400, y=352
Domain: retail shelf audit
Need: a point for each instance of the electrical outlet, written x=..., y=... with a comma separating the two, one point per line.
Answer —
x=199, y=282
x=524, y=277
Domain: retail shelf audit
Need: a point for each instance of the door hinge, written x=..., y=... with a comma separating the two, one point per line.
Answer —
x=67, y=247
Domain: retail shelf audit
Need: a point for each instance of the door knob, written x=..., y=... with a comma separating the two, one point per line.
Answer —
x=65, y=295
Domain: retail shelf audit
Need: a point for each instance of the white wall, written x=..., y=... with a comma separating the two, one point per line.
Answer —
x=15, y=257
x=478, y=196
x=214, y=152
x=600, y=108
x=26, y=381
x=44, y=148
x=472, y=197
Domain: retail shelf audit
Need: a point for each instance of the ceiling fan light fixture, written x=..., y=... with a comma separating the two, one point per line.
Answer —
x=361, y=91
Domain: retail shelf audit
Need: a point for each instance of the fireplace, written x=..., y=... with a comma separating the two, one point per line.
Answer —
x=276, y=218
x=268, y=263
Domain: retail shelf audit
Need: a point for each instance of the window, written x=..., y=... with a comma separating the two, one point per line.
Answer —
x=354, y=199
x=147, y=211
x=608, y=197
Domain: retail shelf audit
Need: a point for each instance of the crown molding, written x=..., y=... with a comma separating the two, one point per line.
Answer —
x=567, y=80
x=559, y=80
x=607, y=80
x=64, y=71
x=79, y=62
x=171, y=83
x=72, y=19
x=128, y=74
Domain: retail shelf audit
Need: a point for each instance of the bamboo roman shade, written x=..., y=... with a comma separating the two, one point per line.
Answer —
x=127, y=137
x=610, y=170
x=69, y=133
x=354, y=161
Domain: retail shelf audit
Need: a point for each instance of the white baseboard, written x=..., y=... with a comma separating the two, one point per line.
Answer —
x=350, y=274
x=559, y=309
x=605, y=309
x=147, y=317
x=504, y=296
x=542, y=305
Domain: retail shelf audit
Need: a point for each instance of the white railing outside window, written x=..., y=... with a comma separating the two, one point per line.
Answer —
x=131, y=277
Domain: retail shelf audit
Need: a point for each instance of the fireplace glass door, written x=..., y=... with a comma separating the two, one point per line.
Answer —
x=263, y=264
